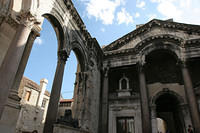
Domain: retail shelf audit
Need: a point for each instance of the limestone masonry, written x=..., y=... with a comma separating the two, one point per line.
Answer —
x=147, y=81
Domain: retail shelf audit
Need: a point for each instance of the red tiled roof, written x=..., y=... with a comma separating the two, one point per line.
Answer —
x=66, y=100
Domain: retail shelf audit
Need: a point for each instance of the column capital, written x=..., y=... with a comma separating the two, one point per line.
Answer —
x=183, y=63
x=105, y=71
x=62, y=55
x=141, y=65
x=28, y=19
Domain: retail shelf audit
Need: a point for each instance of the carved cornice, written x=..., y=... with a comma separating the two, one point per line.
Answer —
x=77, y=19
x=192, y=43
x=159, y=38
x=189, y=29
x=120, y=52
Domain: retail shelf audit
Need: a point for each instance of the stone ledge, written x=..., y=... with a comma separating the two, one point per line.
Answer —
x=59, y=128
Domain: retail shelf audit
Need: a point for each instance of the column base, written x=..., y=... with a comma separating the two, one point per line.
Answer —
x=10, y=116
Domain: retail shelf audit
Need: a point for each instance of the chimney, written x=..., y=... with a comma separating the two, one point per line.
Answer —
x=43, y=85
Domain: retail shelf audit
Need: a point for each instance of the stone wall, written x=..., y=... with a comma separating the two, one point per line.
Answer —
x=30, y=119
x=120, y=108
x=7, y=33
x=58, y=128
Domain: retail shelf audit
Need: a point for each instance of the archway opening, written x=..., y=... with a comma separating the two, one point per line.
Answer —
x=38, y=77
x=70, y=85
x=167, y=108
x=162, y=66
x=161, y=125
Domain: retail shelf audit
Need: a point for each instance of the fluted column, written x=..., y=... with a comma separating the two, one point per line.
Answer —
x=11, y=62
x=146, y=121
x=191, y=97
x=105, y=94
x=55, y=92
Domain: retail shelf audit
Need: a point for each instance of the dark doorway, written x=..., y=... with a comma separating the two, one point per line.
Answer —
x=167, y=107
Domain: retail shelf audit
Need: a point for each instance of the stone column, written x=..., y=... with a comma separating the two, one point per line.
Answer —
x=146, y=122
x=105, y=93
x=55, y=92
x=13, y=103
x=186, y=115
x=11, y=62
x=154, y=119
x=22, y=65
x=191, y=98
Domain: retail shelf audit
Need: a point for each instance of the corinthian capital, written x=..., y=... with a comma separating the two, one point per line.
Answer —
x=62, y=55
x=27, y=19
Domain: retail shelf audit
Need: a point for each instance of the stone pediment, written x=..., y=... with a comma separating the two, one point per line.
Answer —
x=155, y=29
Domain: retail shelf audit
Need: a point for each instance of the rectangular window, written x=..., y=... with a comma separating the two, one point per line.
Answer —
x=125, y=125
x=27, y=95
x=44, y=102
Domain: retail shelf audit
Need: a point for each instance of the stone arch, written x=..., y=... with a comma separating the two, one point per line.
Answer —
x=80, y=53
x=57, y=28
x=170, y=43
x=166, y=91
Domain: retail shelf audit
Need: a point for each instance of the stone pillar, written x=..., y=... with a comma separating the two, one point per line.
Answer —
x=22, y=65
x=154, y=119
x=55, y=92
x=12, y=106
x=11, y=62
x=105, y=94
x=186, y=115
x=191, y=98
x=146, y=122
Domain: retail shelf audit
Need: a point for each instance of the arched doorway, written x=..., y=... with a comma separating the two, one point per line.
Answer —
x=167, y=108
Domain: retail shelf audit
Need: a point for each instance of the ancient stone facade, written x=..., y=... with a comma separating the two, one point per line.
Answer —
x=34, y=103
x=152, y=72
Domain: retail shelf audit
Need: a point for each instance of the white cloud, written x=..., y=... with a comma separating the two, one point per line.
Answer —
x=137, y=14
x=186, y=11
x=140, y=4
x=103, y=10
x=169, y=10
x=38, y=41
x=124, y=17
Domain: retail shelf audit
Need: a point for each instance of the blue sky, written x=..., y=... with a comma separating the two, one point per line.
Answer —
x=106, y=20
